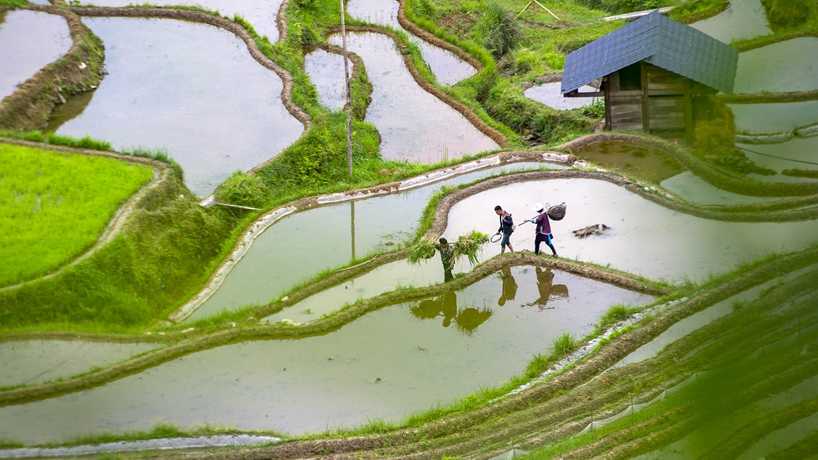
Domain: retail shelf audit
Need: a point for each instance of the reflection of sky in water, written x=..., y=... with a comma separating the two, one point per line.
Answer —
x=386, y=364
x=29, y=40
x=212, y=122
x=774, y=117
x=550, y=95
x=741, y=20
x=798, y=56
x=445, y=65
x=326, y=72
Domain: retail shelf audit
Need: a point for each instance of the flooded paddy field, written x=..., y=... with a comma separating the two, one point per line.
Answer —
x=29, y=41
x=437, y=132
x=445, y=65
x=631, y=159
x=774, y=117
x=448, y=346
x=741, y=20
x=798, y=55
x=28, y=362
x=326, y=71
x=645, y=238
x=337, y=234
x=260, y=13
x=550, y=94
x=158, y=96
x=694, y=189
x=797, y=153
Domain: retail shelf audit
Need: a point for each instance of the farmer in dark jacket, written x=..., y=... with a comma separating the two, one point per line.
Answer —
x=543, y=230
x=506, y=228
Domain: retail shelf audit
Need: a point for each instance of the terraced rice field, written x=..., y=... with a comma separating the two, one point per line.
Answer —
x=303, y=311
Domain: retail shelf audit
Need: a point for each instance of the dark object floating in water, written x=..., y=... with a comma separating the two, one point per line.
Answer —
x=557, y=212
x=585, y=232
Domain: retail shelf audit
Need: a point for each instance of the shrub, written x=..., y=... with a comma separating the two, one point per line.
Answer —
x=564, y=344
x=242, y=189
x=786, y=13
x=500, y=29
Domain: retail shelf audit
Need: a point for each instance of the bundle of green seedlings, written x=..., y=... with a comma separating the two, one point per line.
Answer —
x=466, y=245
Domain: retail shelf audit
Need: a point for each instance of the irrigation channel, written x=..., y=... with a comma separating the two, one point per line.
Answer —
x=327, y=359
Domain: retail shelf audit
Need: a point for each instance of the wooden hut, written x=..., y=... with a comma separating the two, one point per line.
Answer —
x=652, y=71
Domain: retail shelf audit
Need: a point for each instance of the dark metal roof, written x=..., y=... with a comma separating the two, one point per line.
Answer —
x=659, y=41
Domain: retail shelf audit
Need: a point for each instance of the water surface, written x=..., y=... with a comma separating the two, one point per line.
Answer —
x=326, y=72
x=414, y=125
x=190, y=89
x=304, y=244
x=774, y=117
x=741, y=20
x=445, y=65
x=694, y=189
x=29, y=40
x=798, y=56
x=797, y=153
x=645, y=238
x=385, y=365
x=550, y=94
x=36, y=361
x=260, y=13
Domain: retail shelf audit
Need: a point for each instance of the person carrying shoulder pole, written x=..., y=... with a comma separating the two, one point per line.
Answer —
x=506, y=228
x=543, y=230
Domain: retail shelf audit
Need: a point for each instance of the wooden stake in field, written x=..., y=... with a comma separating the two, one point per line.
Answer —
x=541, y=6
x=348, y=105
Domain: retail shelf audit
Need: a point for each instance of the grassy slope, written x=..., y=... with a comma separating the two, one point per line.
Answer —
x=56, y=205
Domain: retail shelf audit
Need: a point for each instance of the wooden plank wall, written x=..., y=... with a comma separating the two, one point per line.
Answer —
x=666, y=105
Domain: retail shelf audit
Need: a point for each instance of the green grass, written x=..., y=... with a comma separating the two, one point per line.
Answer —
x=86, y=142
x=54, y=206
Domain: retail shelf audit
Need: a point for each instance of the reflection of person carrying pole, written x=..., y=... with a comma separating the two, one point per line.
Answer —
x=547, y=288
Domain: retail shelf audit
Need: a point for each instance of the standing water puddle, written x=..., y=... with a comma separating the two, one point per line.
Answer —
x=304, y=244
x=260, y=13
x=212, y=122
x=445, y=65
x=741, y=20
x=445, y=347
x=29, y=40
x=414, y=125
x=550, y=94
x=797, y=153
x=645, y=238
x=37, y=361
x=799, y=56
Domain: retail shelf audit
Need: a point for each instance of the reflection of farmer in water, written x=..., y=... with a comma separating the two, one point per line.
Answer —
x=447, y=258
x=509, y=291
x=547, y=288
x=445, y=305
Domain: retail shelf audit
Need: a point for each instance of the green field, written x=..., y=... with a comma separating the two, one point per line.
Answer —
x=54, y=206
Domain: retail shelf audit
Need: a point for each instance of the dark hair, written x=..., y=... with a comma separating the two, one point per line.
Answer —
x=498, y=208
x=443, y=241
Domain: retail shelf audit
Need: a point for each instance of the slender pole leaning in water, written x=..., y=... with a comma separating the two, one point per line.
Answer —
x=348, y=105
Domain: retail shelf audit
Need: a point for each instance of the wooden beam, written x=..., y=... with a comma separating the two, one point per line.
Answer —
x=645, y=98
x=606, y=88
x=576, y=93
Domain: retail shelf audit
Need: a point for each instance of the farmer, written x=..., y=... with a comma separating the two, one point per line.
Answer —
x=506, y=228
x=446, y=257
x=543, y=230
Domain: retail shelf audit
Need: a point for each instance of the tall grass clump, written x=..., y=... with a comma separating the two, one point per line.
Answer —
x=786, y=13
x=500, y=29
x=563, y=345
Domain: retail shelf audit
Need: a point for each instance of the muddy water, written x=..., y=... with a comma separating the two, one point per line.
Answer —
x=799, y=56
x=445, y=65
x=29, y=41
x=414, y=125
x=36, y=361
x=326, y=72
x=694, y=189
x=798, y=153
x=304, y=244
x=645, y=238
x=260, y=13
x=549, y=94
x=633, y=160
x=447, y=347
x=776, y=117
x=157, y=95
x=743, y=19
x=383, y=279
